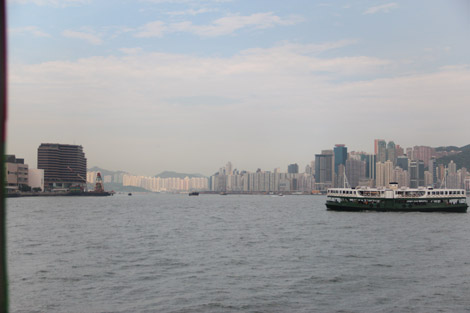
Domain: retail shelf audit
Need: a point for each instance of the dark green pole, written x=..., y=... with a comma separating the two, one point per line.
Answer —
x=3, y=117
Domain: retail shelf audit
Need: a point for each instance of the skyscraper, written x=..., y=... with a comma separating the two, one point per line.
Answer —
x=341, y=155
x=370, y=160
x=381, y=151
x=391, y=152
x=293, y=168
x=423, y=153
x=402, y=162
x=228, y=168
x=355, y=171
x=324, y=169
x=63, y=165
x=416, y=170
x=376, y=145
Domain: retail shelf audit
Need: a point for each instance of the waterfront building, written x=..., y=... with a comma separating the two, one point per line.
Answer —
x=64, y=165
x=16, y=173
x=36, y=178
x=171, y=184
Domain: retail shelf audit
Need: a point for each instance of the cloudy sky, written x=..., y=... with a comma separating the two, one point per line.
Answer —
x=188, y=85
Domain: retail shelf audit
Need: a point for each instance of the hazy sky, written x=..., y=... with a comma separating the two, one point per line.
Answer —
x=184, y=85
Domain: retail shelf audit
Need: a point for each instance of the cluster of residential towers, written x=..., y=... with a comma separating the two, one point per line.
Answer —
x=411, y=167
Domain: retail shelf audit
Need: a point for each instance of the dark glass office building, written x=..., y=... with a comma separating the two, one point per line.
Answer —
x=341, y=155
x=64, y=165
x=293, y=168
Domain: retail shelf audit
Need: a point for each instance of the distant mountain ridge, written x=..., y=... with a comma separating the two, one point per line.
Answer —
x=462, y=159
x=103, y=171
x=164, y=174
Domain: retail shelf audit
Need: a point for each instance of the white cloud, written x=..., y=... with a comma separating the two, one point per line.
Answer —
x=164, y=107
x=191, y=12
x=153, y=29
x=131, y=50
x=29, y=29
x=230, y=24
x=89, y=37
x=222, y=26
x=385, y=8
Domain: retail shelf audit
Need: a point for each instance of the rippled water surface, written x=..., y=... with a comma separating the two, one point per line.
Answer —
x=174, y=253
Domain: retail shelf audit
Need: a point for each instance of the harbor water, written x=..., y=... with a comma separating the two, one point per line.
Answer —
x=212, y=253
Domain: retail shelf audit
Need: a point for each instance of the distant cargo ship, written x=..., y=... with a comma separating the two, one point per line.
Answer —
x=397, y=199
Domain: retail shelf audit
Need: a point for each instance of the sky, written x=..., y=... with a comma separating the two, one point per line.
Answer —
x=152, y=85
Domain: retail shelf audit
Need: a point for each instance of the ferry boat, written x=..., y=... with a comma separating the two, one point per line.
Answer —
x=404, y=199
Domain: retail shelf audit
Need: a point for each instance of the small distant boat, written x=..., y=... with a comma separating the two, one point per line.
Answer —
x=194, y=193
x=223, y=193
x=129, y=194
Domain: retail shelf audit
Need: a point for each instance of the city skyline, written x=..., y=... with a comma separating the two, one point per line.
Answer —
x=64, y=166
x=416, y=152
x=184, y=85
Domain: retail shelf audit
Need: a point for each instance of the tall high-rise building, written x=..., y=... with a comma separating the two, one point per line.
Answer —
x=401, y=177
x=376, y=145
x=341, y=155
x=381, y=151
x=416, y=170
x=324, y=169
x=402, y=162
x=63, y=165
x=370, y=160
x=384, y=173
x=433, y=169
x=399, y=150
x=293, y=168
x=16, y=172
x=423, y=153
x=355, y=171
x=391, y=152
x=228, y=168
